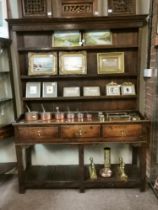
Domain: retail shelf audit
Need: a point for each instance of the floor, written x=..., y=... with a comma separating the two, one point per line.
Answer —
x=94, y=199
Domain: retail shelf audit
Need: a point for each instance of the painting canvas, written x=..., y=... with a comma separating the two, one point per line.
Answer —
x=66, y=39
x=42, y=63
x=73, y=63
x=98, y=38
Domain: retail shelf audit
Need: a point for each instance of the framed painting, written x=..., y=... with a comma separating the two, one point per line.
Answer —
x=33, y=90
x=49, y=89
x=97, y=38
x=110, y=63
x=112, y=89
x=128, y=88
x=66, y=39
x=72, y=63
x=91, y=91
x=71, y=91
x=42, y=63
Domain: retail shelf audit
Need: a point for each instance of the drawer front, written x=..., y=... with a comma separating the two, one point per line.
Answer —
x=133, y=130
x=80, y=131
x=36, y=133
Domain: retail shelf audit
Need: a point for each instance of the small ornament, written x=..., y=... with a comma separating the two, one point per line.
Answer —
x=92, y=170
x=106, y=171
x=122, y=173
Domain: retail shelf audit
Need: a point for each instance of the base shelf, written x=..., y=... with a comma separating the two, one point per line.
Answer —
x=69, y=176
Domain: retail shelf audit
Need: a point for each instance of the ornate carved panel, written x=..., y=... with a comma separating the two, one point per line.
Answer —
x=77, y=8
x=34, y=7
x=122, y=7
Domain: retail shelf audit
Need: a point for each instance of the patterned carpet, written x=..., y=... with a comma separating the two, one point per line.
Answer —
x=93, y=199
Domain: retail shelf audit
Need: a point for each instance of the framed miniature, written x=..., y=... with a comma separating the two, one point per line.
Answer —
x=42, y=63
x=49, y=89
x=110, y=63
x=72, y=63
x=33, y=90
x=112, y=89
x=91, y=91
x=97, y=38
x=71, y=91
x=128, y=88
x=66, y=39
x=3, y=23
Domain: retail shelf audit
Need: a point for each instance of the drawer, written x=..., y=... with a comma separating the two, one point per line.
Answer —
x=80, y=131
x=133, y=130
x=36, y=133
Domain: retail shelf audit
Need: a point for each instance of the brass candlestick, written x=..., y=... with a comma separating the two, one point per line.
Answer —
x=106, y=171
x=92, y=169
x=123, y=175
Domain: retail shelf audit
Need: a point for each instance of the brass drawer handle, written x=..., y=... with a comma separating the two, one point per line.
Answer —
x=79, y=133
x=123, y=133
x=39, y=133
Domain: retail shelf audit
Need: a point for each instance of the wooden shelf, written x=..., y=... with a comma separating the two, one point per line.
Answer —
x=78, y=77
x=92, y=48
x=82, y=98
x=68, y=176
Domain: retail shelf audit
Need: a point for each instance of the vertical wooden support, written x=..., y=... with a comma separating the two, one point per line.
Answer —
x=81, y=165
x=20, y=168
x=142, y=154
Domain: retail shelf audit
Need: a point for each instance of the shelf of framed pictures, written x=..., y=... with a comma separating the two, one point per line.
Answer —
x=91, y=48
x=78, y=77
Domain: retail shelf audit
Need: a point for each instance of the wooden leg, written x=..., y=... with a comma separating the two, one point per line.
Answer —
x=134, y=155
x=143, y=167
x=81, y=165
x=28, y=156
x=20, y=168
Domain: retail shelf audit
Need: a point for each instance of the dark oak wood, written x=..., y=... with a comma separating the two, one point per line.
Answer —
x=35, y=35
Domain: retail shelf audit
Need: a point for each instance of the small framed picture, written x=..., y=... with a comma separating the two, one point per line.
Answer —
x=128, y=88
x=66, y=39
x=72, y=63
x=71, y=91
x=49, y=89
x=91, y=91
x=110, y=63
x=33, y=90
x=3, y=16
x=42, y=63
x=97, y=38
x=112, y=89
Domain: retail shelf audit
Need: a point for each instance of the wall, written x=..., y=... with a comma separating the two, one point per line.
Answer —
x=67, y=154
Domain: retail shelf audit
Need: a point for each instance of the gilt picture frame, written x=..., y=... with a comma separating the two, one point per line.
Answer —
x=92, y=38
x=66, y=39
x=42, y=63
x=110, y=63
x=71, y=63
